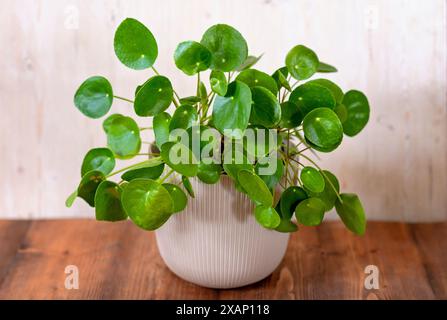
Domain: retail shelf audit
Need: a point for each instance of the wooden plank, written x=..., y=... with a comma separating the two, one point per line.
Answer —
x=120, y=261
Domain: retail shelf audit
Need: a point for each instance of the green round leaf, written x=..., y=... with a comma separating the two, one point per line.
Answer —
x=256, y=78
x=266, y=110
x=280, y=77
x=235, y=161
x=218, y=82
x=312, y=179
x=149, y=172
x=134, y=44
x=94, y=97
x=191, y=57
x=325, y=68
x=286, y=226
x=301, y=62
x=357, y=108
x=351, y=212
x=255, y=187
x=147, y=203
x=291, y=115
x=310, y=212
x=154, y=97
x=108, y=205
x=341, y=112
x=268, y=164
x=232, y=111
x=184, y=117
x=290, y=199
x=249, y=62
x=109, y=120
x=323, y=129
x=209, y=173
x=228, y=48
x=178, y=196
x=88, y=185
x=310, y=96
x=123, y=137
x=335, y=89
x=328, y=195
x=101, y=159
x=180, y=158
x=267, y=217
x=160, y=123
x=264, y=142
x=188, y=186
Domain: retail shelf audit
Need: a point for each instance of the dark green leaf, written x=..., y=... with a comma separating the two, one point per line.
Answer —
x=290, y=198
x=154, y=97
x=266, y=110
x=312, y=179
x=94, y=97
x=149, y=172
x=270, y=169
x=123, y=137
x=351, y=212
x=180, y=158
x=188, y=186
x=232, y=111
x=256, y=78
x=286, y=226
x=301, y=62
x=147, y=203
x=310, y=212
x=184, y=117
x=267, y=217
x=134, y=44
x=209, y=173
x=228, y=47
x=255, y=188
x=328, y=196
x=191, y=57
x=357, y=108
x=310, y=96
x=280, y=77
x=234, y=162
x=88, y=185
x=335, y=89
x=178, y=196
x=100, y=159
x=108, y=205
x=160, y=124
x=323, y=129
x=325, y=68
x=291, y=115
x=192, y=100
x=249, y=62
x=218, y=82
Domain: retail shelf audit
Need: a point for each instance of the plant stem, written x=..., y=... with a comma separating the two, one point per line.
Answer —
x=145, y=128
x=155, y=71
x=124, y=99
x=161, y=180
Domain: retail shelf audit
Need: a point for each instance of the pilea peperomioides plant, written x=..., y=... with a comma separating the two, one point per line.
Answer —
x=214, y=123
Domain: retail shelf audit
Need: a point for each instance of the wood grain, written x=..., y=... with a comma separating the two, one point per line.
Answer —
x=120, y=261
x=394, y=51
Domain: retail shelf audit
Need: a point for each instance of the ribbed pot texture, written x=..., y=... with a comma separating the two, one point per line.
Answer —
x=216, y=242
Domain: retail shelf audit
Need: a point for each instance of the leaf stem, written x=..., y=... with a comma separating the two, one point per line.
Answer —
x=161, y=180
x=124, y=99
x=125, y=168
x=145, y=128
x=155, y=71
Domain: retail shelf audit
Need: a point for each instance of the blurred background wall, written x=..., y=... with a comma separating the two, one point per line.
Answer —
x=393, y=50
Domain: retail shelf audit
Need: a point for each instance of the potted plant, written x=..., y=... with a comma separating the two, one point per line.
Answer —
x=231, y=172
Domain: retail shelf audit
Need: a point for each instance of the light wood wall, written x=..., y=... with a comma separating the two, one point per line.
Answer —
x=393, y=50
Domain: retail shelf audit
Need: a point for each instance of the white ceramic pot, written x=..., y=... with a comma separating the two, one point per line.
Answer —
x=216, y=242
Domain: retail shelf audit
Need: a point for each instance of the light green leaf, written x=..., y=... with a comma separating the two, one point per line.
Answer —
x=255, y=188
x=101, y=159
x=351, y=212
x=94, y=97
x=301, y=62
x=154, y=97
x=310, y=212
x=178, y=196
x=267, y=217
x=191, y=57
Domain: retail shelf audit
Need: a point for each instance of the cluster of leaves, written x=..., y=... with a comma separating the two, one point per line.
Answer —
x=308, y=116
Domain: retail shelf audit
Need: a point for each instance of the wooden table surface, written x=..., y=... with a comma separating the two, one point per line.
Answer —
x=120, y=261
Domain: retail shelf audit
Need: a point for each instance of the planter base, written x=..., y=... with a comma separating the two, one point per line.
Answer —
x=216, y=242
